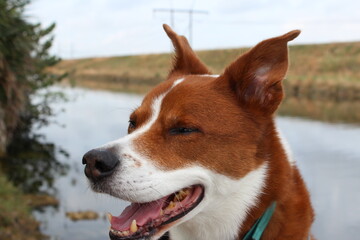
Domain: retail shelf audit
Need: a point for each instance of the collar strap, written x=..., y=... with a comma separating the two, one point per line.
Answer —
x=260, y=225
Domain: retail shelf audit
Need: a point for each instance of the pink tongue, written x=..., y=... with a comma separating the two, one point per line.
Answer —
x=142, y=213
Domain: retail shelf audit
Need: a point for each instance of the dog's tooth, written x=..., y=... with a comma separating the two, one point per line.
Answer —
x=133, y=226
x=171, y=205
x=178, y=198
x=183, y=194
x=109, y=216
x=125, y=233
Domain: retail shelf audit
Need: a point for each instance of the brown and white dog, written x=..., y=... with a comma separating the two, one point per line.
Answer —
x=203, y=158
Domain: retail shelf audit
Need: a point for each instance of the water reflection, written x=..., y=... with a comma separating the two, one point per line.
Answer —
x=32, y=162
x=92, y=118
x=321, y=109
x=327, y=154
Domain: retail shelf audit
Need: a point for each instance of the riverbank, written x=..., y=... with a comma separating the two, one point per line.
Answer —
x=318, y=71
x=16, y=221
x=323, y=82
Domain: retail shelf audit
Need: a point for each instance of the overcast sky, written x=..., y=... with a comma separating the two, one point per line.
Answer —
x=95, y=28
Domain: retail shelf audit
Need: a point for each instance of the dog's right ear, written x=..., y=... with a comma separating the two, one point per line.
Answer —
x=185, y=61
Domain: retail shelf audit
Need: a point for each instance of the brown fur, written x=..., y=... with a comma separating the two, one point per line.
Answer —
x=234, y=114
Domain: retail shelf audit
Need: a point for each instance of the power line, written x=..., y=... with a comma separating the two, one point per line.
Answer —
x=172, y=12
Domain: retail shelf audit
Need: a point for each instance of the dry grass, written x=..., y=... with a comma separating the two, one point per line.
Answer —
x=316, y=71
x=323, y=80
x=340, y=61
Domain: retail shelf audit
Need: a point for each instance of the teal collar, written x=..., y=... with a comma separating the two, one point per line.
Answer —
x=260, y=225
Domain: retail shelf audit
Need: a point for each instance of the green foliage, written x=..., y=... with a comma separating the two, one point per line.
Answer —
x=15, y=220
x=24, y=56
x=32, y=163
x=11, y=199
x=24, y=46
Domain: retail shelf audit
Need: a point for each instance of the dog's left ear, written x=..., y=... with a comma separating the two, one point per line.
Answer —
x=185, y=61
x=257, y=75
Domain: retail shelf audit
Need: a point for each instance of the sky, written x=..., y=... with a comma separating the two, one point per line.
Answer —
x=101, y=28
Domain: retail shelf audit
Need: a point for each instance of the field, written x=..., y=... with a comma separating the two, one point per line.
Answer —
x=325, y=73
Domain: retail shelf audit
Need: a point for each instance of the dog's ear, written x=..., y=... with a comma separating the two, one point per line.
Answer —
x=185, y=59
x=257, y=75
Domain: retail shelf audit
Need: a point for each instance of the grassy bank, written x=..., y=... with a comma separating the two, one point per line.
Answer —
x=16, y=221
x=316, y=71
x=323, y=81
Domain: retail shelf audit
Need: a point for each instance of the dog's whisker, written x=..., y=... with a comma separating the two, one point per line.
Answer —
x=157, y=201
x=179, y=201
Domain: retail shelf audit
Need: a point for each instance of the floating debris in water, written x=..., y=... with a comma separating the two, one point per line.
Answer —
x=82, y=215
x=40, y=200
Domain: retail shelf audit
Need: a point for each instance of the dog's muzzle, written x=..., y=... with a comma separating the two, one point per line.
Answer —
x=99, y=164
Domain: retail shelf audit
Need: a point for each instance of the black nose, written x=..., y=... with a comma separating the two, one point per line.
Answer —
x=99, y=163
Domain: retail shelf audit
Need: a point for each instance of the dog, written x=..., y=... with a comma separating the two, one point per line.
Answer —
x=203, y=159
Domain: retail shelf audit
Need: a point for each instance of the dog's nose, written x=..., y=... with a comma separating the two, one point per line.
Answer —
x=99, y=164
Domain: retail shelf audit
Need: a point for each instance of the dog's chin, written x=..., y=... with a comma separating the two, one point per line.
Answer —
x=142, y=221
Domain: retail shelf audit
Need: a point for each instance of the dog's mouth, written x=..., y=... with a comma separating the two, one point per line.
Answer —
x=143, y=220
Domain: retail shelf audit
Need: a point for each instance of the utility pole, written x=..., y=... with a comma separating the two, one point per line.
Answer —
x=191, y=12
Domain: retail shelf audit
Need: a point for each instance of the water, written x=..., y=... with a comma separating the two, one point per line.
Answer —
x=328, y=156
x=91, y=118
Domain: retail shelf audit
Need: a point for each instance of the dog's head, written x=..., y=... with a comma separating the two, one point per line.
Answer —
x=195, y=154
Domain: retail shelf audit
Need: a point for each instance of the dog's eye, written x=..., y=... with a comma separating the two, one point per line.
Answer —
x=132, y=124
x=183, y=130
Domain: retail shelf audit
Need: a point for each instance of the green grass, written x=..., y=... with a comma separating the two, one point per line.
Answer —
x=11, y=200
x=16, y=221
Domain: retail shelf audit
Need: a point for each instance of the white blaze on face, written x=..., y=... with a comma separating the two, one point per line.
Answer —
x=226, y=201
x=155, y=111
x=137, y=183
